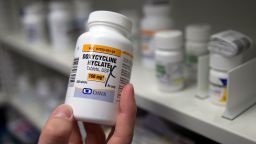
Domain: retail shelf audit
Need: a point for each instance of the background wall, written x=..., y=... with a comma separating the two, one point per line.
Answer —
x=221, y=14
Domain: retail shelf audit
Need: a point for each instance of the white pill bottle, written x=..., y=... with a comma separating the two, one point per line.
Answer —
x=156, y=18
x=101, y=68
x=169, y=56
x=34, y=23
x=60, y=21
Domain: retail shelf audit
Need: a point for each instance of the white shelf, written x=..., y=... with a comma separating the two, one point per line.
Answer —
x=182, y=108
x=195, y=114
x=42, y=53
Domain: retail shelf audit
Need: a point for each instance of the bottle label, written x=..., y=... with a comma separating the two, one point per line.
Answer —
x=191, y=67
x=169, y=73
x=229, y=43
x=218, y=93
x=147, y=48
x=100, y=72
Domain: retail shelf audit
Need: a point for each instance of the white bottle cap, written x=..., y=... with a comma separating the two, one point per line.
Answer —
x=169, y=56
x=110, y=17
x=223, y=63
x=216, y=76
x=169, y=40
x=198, y=32
x=158, y=10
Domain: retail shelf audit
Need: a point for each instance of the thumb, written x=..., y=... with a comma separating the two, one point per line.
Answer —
x=58, y=128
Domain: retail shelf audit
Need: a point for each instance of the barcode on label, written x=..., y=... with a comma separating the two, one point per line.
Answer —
x=72, y=76
x=125, y=76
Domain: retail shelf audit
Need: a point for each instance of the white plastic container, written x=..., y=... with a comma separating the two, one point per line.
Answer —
x=156, y=18
x=218, y=87
x=82, y=11
x=34, y=23
x=223, y=63
x=102, y=66
x=169, y=56
x=60, y=24
x=226, y=52
x=197, y=37
x=220, y=65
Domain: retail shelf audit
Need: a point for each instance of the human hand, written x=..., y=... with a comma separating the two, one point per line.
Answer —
x=61, y=127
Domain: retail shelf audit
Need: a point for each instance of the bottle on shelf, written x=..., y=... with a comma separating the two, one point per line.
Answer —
x=156, y=18
x=169, y=57
x=218, y=78
x=61, y=24
x=82, y=10
x=226, y=52
x=34, y=23
x=197, y=38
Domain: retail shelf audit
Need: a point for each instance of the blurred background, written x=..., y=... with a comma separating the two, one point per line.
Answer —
x=36, y=53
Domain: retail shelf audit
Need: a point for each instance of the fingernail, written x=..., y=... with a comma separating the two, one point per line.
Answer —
x=130, y=85
x=64, y=112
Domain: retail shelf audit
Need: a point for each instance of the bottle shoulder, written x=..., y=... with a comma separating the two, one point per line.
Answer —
x=112, y=39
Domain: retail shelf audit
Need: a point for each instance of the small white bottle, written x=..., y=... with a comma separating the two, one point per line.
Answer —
x=169, y=56
x=218, y=86
x=197, y=38
x=82, y=11
x=34, y=23
x=218, y=78
x=227, y=51
x=60, y=25
x=101, y=67
x=156, y=18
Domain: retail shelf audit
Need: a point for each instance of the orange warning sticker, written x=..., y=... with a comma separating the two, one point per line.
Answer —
x=148, y=32
x=102, y=49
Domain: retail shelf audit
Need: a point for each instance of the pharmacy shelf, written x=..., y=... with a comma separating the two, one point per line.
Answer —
x=59, y=60
x=33, y=111
x=198, y=115
x=182, y=107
